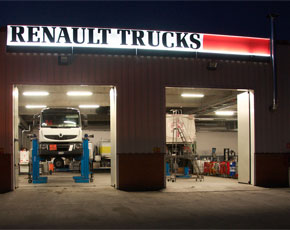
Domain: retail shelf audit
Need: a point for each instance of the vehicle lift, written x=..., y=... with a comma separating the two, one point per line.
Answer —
x=36, y=179
x=85, y=166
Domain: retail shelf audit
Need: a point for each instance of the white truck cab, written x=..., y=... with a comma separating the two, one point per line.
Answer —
x=60, y=133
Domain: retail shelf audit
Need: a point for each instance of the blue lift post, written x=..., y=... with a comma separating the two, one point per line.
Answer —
x=85, y=166
x=36, y=179
x=167, y=169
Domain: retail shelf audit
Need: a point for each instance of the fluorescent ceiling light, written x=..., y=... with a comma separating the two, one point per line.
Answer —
x=89, y=106
x=191, y=95
x=35, y=106
x=224, y=113
x=35, y=93
x=69, y=122
x=79, y=93
x=204, y=119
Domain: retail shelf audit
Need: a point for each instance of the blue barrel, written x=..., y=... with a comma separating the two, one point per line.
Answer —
x=233, y=169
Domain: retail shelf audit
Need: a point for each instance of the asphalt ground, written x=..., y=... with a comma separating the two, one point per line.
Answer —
x=215, y=203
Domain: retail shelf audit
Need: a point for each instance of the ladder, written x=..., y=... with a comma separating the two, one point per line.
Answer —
x=188, y=152
x=191, y=155
x=174, y=150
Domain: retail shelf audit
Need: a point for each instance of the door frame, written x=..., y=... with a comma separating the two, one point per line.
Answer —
x=15, y=180
x=15, y=141
x=251, y=137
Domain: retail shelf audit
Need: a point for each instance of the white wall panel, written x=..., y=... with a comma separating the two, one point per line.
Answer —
x=113, y=126
x=205, y=141
x=245, y=129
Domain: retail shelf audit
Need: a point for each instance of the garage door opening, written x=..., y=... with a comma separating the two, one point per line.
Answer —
x=59, y=116
x=209, y=136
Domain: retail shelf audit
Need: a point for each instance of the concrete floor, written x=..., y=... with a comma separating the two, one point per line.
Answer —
x=214, y=203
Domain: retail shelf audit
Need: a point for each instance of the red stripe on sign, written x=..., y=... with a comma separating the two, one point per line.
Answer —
x=243, y=45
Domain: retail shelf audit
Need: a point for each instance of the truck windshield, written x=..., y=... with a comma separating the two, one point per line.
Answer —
x=60, y=118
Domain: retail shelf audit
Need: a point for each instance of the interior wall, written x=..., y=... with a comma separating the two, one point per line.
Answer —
x=207, y=140
x=98, y=136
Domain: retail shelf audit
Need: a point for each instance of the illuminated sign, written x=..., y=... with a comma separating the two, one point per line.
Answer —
x=87, y=37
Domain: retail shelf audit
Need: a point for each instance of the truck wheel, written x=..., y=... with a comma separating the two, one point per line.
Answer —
x=58, y=163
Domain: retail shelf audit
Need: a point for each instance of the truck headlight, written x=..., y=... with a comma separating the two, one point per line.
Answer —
x=78, y=146
x=43, y=146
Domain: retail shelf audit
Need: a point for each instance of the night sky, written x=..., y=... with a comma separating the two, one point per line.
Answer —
x=230, y=18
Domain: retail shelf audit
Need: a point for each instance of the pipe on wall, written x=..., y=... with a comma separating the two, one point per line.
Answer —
x=274, y=105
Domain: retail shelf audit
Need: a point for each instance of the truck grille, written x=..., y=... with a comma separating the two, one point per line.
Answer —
x=57, y=137
x=62, y=147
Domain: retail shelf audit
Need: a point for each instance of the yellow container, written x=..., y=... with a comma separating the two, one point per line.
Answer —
x=105, y=149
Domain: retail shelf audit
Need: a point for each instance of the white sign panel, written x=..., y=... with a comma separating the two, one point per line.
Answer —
x=121, y=39
x=57, y=36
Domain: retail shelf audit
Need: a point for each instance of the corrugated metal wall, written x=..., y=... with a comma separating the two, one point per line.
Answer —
x=141, y=85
